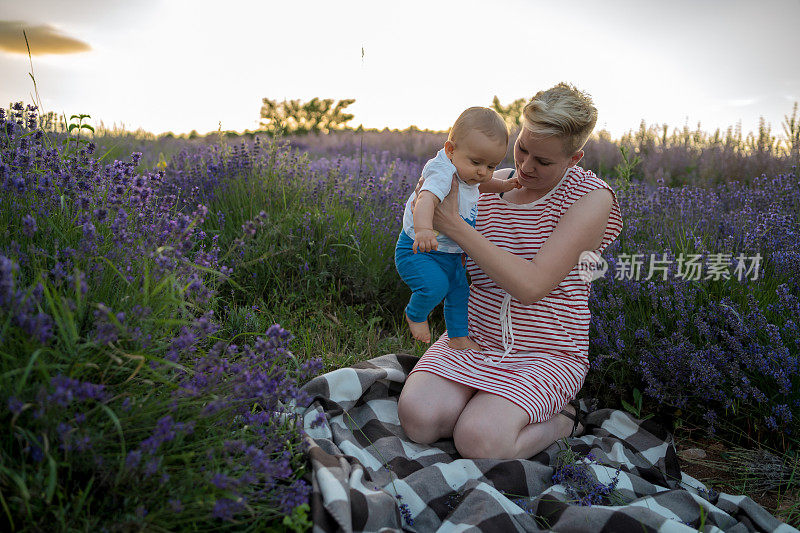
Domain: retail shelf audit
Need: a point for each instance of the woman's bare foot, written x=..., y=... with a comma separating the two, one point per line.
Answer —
x=463, y=343
x=419, y=330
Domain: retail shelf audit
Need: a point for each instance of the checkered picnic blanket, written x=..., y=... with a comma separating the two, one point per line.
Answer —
x=368, y=476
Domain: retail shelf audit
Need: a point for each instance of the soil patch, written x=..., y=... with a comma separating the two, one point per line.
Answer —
x=722, y=468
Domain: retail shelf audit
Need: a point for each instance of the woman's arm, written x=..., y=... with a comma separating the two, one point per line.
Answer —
x=581, y=228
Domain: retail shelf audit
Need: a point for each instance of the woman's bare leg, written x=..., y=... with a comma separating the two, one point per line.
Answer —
x=429, y=406
x=493, y=427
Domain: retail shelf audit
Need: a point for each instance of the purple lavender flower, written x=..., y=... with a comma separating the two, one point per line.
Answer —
x=126, y=404
x=133, y=459
x=226, y=508
x=28, y=226
x=40, y=327
x=319, y=420
x=7, y=271
x=66, y=390
x=175, y=505
x=573, y=473
x=63, y=430
x=165, y=431
x=15, y=405
x=205, y=325
x=224, y=482
x=295, y=495
x=405, y=512
x=89, y=231
x=36, y=454
x=152, y=466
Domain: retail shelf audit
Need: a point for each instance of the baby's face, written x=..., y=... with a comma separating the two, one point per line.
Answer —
x=475, y=156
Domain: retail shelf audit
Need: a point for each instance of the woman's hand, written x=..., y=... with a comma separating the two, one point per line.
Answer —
x=446, y=213
x=417, y=190
x=446, y=216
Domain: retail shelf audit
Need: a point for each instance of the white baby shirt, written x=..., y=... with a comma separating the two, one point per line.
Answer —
x=438, y=174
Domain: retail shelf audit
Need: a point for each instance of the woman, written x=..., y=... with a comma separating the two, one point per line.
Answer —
x=528, y=307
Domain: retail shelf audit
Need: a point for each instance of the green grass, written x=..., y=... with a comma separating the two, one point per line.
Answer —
x=342, y=307
x=340, y=334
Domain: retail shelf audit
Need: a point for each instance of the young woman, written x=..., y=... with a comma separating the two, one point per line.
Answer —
x=528, y=304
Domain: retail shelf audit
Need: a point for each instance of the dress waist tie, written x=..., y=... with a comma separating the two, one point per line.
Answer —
x=506, y=328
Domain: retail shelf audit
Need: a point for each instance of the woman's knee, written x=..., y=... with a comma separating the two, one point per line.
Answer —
x=489, y=427
x=475, y=440
x=420, y=423
x=429, y=407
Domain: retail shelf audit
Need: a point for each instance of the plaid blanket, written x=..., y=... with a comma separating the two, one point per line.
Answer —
x=368, y=476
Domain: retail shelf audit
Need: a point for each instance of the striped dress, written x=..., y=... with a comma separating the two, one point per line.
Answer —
x=535, y=356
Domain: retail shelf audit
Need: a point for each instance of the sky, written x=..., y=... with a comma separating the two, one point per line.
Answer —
x=182, y=65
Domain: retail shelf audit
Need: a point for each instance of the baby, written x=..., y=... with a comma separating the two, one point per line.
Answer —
x=476, y=145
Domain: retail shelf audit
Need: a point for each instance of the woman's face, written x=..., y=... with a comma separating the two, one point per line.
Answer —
x=540, y=161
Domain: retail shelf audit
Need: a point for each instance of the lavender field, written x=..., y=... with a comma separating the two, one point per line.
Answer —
x=161, y=307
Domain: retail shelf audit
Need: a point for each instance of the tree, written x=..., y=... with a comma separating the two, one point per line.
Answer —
x=512, y=113
x=315, y=116
x=791, y=127
x=764, y=142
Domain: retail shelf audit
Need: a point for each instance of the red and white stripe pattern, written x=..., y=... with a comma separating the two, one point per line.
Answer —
x=544, y=359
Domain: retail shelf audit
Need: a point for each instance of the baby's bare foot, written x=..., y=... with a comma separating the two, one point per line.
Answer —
x=419, y=330
x=463, y=343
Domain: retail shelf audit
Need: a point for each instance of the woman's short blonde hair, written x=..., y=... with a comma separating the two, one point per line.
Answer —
x=482, y=119
x=562, y=111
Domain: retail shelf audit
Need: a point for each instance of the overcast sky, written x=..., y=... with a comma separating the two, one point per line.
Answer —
x=178, y=65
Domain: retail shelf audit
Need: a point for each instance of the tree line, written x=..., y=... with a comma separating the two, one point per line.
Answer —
x=322, y=115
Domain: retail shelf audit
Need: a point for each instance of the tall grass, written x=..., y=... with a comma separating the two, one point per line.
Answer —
x=676, y=156
x=142, y=375
x=124, y=406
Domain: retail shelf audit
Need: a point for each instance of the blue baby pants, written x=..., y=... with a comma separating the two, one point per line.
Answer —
x=433, y=277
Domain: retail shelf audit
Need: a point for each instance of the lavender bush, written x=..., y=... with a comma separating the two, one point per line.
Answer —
x=677, y=156
x=123, y=406
x=143, y=387
x=681, y=156
x=723, y=347
x=312, y=226
x=719, y=349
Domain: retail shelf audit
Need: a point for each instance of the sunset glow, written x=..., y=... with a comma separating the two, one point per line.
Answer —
x=193, y=65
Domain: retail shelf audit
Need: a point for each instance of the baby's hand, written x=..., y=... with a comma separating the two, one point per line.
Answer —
x=425, y=240
x=513, y=183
